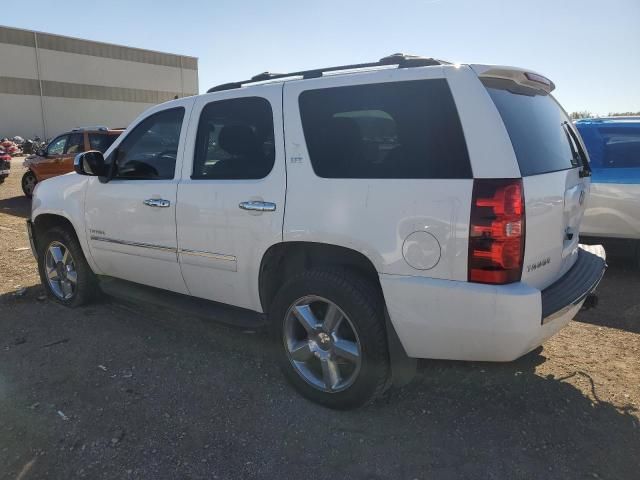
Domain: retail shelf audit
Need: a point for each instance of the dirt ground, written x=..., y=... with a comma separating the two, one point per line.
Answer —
x=115, y=390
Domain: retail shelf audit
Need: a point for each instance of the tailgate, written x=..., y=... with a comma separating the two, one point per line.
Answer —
x=555, y=174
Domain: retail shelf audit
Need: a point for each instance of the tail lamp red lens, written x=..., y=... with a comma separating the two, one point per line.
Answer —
x=497, y=231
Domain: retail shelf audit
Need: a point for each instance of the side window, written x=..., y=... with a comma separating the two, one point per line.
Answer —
x=150, y=150
x=56, y=147
x=75, y=144
x=386, y=130
x=235, y=140
x=621, y=147
x=101, y=142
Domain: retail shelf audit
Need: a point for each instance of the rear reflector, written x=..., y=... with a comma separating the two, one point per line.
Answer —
x=496, y=231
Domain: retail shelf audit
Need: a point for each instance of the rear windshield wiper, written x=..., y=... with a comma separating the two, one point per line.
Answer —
x=579, y=157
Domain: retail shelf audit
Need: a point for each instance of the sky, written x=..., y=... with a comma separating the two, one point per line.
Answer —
x=589, y=48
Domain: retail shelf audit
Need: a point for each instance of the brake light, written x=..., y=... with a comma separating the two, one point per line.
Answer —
x=496, y=231
x=534, y=77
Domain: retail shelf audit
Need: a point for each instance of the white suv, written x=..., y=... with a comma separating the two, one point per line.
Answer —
x=378, y=213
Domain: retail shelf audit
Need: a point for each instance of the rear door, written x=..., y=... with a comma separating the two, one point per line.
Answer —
x=232, y=192
x=555, y=174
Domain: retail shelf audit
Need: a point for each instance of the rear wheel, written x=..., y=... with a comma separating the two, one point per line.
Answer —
x=331, y=340
x=29, y=181
x=64, y=271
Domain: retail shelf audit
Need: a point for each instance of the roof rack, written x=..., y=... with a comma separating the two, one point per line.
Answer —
x=401, y=60
x=100, y=128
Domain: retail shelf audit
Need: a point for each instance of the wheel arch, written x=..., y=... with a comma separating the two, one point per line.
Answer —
x=284, y=259
x=46, y=221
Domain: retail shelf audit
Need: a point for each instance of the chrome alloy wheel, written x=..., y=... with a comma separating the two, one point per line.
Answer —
x=322, y=344
x=61, y=271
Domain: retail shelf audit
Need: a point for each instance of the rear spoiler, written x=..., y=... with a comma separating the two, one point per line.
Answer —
x=526, y=78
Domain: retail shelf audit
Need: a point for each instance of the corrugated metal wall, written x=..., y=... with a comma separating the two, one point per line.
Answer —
x=77, y=81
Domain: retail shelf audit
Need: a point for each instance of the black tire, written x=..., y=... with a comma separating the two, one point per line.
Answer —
x=86, y=286
x=638, y=255
x=29, y=181
x=362, y=303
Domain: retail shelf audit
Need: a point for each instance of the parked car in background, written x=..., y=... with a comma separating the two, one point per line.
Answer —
x=613, y=209
x=400, y=209
x=57, y=157
x=5, y=165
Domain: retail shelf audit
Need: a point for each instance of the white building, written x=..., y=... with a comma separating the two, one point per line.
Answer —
x=50, y=83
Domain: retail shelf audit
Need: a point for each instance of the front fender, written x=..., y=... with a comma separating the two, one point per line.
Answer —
x=64, y=196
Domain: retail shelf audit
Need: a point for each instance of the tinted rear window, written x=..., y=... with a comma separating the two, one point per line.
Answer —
x=385, y=130
x=537, y=127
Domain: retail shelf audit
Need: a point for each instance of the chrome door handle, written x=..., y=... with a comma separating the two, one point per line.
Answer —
x=258, y=206
x=157, y=202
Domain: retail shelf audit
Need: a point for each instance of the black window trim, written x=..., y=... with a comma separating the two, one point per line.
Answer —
x=199, y=178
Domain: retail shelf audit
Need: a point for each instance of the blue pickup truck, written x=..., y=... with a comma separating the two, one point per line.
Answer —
x=613, y=209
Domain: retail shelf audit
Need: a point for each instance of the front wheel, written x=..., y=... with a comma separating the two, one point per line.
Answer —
x=64, y=271
x=330, y=335
x=29, y=181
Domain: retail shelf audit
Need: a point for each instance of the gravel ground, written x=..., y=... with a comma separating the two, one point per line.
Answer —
x=115, y=390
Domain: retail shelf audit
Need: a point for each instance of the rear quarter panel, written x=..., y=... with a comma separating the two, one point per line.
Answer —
x=373, y=216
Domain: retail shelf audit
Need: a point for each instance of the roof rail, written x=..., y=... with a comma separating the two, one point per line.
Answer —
x=100, y=128
x=401, y=60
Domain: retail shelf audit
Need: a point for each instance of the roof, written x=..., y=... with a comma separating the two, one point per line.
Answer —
x=620, y=119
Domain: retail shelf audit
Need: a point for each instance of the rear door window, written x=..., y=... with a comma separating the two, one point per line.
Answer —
x=235, y=140
x=101, y=142
x=387, y=130
x=75, y=144
x=540, y=132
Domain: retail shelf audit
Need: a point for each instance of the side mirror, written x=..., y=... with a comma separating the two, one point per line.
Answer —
x=90, y=163
x=41, y=153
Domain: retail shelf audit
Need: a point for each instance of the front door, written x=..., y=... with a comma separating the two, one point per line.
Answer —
x=131, y=220
x=47, y=166
x=232, y=192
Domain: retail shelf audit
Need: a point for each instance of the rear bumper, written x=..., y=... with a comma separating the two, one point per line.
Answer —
x=467, y=321
x=576, y=284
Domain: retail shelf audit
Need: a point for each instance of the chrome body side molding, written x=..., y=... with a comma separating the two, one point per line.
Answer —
x=191, y=257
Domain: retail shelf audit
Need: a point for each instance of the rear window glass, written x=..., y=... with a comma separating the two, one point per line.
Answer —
x=537, y=127
x=386, y=130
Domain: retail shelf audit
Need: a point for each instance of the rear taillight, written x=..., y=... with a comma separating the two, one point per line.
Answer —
x=496, y=232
